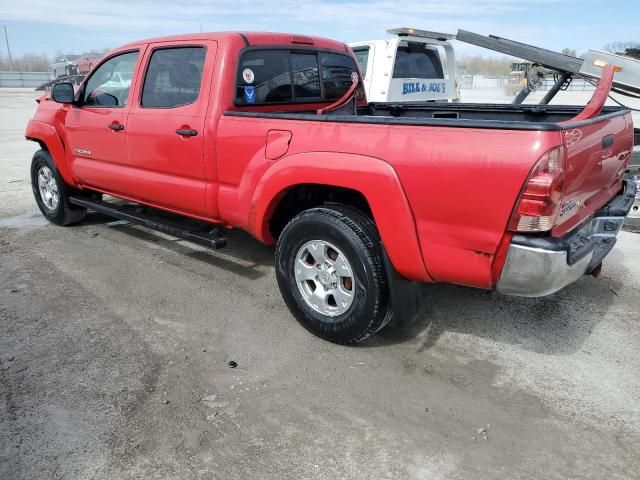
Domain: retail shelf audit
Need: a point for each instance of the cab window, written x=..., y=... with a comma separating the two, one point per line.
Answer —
x=109, y=84
x=417, y=61
x=272, y=76
x=173, y=77
x=306, y=79
x=336, y=74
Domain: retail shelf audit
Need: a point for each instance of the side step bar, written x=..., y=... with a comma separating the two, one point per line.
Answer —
x=206, y=235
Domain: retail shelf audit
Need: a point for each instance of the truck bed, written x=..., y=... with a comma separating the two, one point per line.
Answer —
x=460, y=218
x=486, y=112
x=460, y=115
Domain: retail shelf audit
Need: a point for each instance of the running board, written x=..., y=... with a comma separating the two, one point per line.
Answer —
x=206, y=235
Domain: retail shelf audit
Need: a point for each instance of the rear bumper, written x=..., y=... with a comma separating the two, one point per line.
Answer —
x=539, y=266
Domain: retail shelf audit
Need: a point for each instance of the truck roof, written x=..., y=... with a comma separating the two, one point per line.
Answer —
x=253, y=38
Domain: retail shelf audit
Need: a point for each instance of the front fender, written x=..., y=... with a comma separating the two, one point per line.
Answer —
x=46, y=134
x=372, y=177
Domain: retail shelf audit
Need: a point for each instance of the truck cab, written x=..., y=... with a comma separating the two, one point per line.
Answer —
x=412, y=66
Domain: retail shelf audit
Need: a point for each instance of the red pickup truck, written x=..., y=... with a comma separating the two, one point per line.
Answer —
x=269, y=133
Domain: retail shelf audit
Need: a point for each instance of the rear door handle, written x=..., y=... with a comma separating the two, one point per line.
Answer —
x=186, y=132
x=116, y=126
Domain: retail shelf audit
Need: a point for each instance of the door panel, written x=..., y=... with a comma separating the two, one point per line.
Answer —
x=98, y=152
x=95, y=130
x=165, y=127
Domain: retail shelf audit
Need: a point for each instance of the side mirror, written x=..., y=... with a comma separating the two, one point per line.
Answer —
x=63, y=92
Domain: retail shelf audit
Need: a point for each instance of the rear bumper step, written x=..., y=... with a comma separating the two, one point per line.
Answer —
x=205, y=234
x=539, y=266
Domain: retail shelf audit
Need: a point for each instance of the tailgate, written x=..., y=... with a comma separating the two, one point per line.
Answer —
x=597, y=155
x=598, y=149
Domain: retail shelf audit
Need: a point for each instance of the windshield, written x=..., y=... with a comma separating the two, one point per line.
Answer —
x=416, y=61
x=73, y=57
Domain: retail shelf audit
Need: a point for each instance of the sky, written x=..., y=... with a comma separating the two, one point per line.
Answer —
x=75, y=26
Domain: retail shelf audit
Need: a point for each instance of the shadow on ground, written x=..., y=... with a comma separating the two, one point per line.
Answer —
x=555, y=325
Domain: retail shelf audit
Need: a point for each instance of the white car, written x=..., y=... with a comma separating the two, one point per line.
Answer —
x=412, y=66
x=119, y=80
x=64, y=65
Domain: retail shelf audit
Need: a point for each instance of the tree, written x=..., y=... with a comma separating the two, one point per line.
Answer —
x=29, y=62
x=569, y=51
x=620, y=47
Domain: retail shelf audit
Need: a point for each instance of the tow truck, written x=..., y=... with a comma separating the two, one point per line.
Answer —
x=413, y=66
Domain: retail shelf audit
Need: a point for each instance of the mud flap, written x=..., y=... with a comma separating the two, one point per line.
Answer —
x=404, y=296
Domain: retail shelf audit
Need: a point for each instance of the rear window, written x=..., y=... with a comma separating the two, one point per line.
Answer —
x=362, y=54
x=417, y=61
x=336, y=74
x=272, y=76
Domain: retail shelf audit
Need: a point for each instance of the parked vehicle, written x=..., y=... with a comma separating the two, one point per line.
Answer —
x=118, y=80
x=261, y=132
x=85, y=62
x=64, y=65
x=515, y=82
x=413, y=66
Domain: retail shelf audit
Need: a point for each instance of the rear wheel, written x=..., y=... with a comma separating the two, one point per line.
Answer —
x=51, y=193
x=330, y=271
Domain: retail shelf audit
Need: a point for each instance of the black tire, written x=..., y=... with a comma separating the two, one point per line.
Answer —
x=356, y=236
x=64, y=213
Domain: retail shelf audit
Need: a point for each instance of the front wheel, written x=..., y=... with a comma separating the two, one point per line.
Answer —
x=51, y=193
x=330, y=270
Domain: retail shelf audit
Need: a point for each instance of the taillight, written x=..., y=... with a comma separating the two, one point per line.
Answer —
x=540, y=200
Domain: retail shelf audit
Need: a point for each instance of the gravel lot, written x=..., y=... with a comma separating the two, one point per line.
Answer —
x=115, y=343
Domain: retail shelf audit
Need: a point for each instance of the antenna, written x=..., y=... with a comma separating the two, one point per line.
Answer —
x=6, y=39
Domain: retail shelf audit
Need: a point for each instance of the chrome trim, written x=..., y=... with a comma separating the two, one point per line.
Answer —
x=536, y=272
x=634, y=213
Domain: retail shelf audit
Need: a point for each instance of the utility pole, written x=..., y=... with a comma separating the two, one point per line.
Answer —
x=6, y=38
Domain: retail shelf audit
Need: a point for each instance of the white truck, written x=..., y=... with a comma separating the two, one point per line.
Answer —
x=412, y=66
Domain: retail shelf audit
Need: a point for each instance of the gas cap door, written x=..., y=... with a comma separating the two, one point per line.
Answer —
x=277, y=143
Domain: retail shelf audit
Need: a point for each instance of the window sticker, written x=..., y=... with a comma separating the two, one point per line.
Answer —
x=249, y=94
x=248, y=76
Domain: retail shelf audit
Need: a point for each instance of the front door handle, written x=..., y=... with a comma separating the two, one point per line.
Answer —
x=116, y=126
x=186, y=132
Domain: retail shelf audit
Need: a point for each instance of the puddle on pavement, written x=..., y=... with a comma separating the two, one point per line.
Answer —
x=25, y=221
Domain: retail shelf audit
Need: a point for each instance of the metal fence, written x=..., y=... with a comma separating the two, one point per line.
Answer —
x=485, y=81
x=482, y=81
x=576, y=84
x=24, y=79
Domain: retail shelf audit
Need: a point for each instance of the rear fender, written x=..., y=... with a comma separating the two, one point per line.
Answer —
x=46, y=135
x=375, y=179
